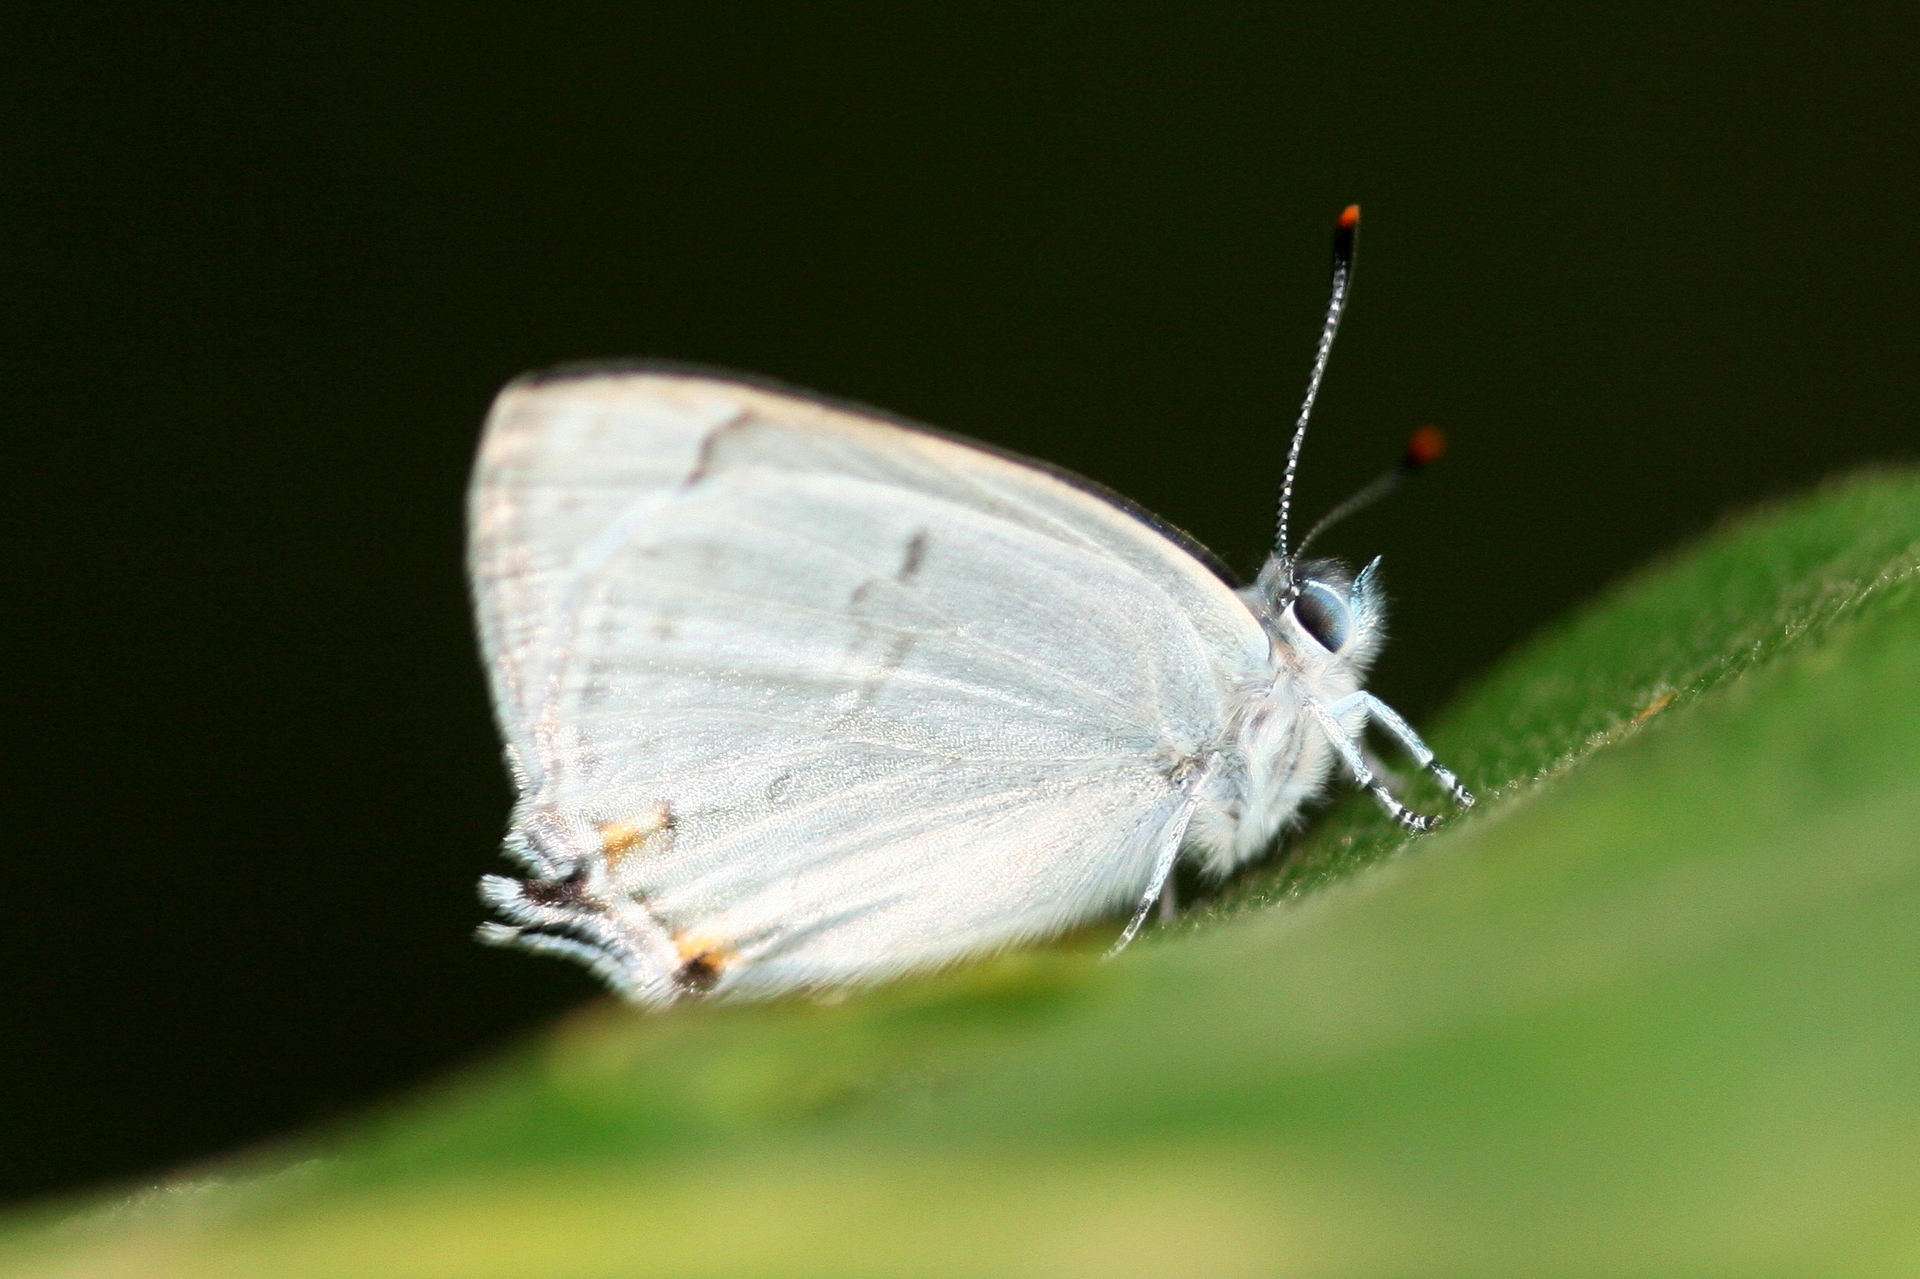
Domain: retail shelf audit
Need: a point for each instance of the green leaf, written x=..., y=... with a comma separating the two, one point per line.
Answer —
x=1653, y=1007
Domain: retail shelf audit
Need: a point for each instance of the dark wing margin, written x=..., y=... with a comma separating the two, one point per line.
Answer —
x=584, y=369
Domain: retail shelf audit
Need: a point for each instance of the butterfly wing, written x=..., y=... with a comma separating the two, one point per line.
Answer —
x=797, y=695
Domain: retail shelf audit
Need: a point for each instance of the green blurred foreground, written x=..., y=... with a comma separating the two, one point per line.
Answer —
x=1654, y=1009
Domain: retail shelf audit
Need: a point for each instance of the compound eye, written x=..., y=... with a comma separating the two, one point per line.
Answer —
x=1322, y=614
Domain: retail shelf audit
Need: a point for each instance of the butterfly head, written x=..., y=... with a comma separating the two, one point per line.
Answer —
x=1319, y=608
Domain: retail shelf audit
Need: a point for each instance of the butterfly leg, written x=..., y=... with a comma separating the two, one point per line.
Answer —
x=1388, y=718
x=1349, y=752
x=1176, y=834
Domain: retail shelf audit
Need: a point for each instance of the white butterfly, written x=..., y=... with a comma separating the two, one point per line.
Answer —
x=797, y=695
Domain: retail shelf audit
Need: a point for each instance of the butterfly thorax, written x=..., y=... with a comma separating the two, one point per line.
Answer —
x=1323, y=628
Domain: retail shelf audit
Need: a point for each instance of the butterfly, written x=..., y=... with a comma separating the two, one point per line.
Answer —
x=799, y=695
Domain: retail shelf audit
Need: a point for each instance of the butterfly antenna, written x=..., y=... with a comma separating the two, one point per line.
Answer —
x=1423, y=449
x=1343, y=234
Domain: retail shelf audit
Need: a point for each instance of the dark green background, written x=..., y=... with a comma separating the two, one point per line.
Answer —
x=262, y=271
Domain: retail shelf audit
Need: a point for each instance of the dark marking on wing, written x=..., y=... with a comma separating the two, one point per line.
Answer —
x=701, y=963
x=697, y=975
x=703, y=460
x=898, y=645
x=914, y=556
x=557, y=892
x=897, y=651
x=568, y=930
x=1092, y=488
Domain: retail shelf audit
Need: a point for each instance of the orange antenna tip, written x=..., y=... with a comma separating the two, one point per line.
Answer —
x=1424, y=448
x=1343, y=238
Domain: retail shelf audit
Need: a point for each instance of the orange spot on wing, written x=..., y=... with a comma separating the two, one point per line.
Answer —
x=620, y=840
x=702, y=960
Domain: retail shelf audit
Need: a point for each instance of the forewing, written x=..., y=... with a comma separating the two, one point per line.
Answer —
x=809, y=696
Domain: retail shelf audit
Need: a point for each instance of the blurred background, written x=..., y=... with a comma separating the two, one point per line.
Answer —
x=263, y=268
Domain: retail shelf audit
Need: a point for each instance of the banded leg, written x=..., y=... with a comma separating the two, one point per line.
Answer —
x=1388, y=718
x=1349, y=753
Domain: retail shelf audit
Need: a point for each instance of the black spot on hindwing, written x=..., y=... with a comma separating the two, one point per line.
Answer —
x=556, y=892
x=697, y=975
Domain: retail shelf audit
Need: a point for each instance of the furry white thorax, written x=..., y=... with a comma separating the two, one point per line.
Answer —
x=1279, y=758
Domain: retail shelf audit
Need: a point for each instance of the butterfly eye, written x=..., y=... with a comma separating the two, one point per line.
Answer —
x=1323, y=615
